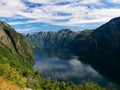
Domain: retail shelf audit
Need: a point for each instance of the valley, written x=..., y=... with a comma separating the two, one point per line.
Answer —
x=83, y=53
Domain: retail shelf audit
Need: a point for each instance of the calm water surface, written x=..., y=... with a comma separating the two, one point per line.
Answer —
x=64, y=66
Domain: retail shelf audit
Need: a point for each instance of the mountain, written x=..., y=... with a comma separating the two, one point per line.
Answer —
x=81, y=42
x=14, y=44
x=104, y=39
x=16, y=56
x=16, y=62
x=60, y=39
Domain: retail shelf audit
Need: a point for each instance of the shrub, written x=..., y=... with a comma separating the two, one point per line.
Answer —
x=11, y=74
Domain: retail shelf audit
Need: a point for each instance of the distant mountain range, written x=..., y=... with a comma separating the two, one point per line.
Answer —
x=105, y=39
x=61, y=39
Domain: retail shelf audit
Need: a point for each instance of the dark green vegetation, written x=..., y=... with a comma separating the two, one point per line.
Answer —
x=16, y=60
x=105, y=39
x=81, y=42
x=61, y=39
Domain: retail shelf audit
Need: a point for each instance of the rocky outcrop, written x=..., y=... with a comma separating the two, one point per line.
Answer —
x=15, y=42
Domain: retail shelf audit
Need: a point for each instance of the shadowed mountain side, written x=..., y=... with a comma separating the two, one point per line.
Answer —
x=105, y=39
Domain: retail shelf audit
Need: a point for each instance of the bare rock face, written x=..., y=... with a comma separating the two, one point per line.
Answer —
x=4, y=38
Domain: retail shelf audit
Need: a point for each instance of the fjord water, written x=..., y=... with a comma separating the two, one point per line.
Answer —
x=64, y=66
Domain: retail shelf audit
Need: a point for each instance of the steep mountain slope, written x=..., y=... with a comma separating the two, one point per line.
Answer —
x=106, y=38
x=16, y=57
x=41, y=39
x=81, y=42
x=15, y=43
x=60, y=39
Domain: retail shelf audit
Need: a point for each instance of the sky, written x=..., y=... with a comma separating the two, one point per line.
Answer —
x=52, y=15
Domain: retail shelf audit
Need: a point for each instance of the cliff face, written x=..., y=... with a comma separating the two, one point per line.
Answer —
x=15, y=43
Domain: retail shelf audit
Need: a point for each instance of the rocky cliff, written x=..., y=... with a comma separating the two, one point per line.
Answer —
x=15, y=43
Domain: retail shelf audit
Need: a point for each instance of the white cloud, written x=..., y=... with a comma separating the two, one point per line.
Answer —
x=27, y=29
x=88, y=2
x=78, y=12
x=15, y=23
x=114, y=1
x=39, y=1
x=46, y=2
x=95, y=16
x=10, y=8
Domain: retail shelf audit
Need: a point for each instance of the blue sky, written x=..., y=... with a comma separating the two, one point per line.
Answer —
x=52, y=15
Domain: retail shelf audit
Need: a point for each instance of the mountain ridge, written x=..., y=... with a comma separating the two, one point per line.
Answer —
x=15, y=42
x=104, y=39
x=60, y=39
x=107, y=37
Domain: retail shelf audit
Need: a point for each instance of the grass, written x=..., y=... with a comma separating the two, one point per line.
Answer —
x=8, y=85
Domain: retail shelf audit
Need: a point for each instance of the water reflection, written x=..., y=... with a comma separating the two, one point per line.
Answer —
x=62, y=65
x=51, y=52
x=108, y=66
